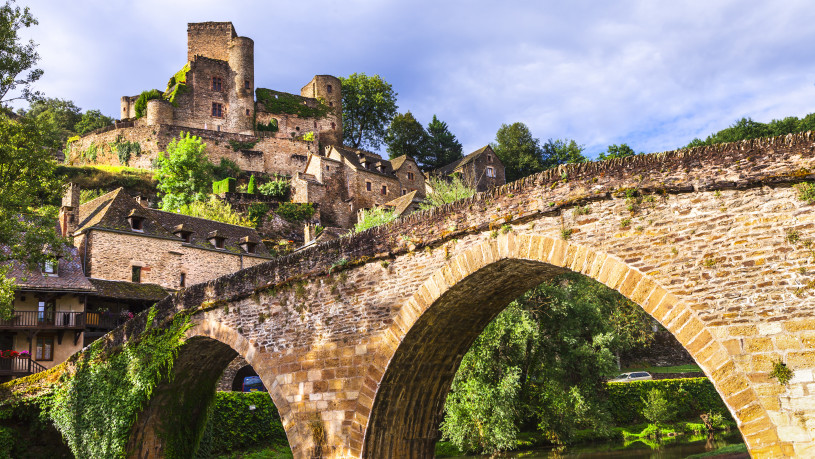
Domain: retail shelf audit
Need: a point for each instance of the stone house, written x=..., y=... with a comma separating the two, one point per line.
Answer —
x=344, y=180
x=480, y=169
x=48, y=322
x=120, y=240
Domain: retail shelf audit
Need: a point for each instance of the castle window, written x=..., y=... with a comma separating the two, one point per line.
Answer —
x=45, y=347
x=490, y=171
x=297, y=128
x=135, y=274
x=315, y=125
x=217, y=83
x=328, y=88
x=327, y=168
x=182, y=280
x=217, y=110
x=368, y=186
x=247, y=112
x=333, y=125
x=331, y=104
x=384, y=189
x=246, y=84
x=410, y=175
x=404, y=191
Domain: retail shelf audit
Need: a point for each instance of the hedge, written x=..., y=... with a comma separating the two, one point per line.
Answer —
x=233, y=426
x=226, y=185
x=691, y=396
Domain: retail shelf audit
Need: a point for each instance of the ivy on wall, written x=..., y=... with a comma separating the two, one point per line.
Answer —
x=281, y=102
x=177, y=85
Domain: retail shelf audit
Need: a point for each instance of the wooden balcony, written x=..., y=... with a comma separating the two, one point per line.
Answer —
x=103, y=321
x=19, y=367
x=44, y=321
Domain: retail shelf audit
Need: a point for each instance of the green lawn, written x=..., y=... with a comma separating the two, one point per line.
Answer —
x=675, y=369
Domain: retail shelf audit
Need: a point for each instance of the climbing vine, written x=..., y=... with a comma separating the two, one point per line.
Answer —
x=96, y=407
x=281, y=102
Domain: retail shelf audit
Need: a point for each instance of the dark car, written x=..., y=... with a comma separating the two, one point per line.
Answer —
x=253, y=384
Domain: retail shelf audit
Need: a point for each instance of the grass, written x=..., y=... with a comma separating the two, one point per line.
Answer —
x=675, y=369
x=268, y=452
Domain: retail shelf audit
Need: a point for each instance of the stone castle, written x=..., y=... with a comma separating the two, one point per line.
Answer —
x=263, y=131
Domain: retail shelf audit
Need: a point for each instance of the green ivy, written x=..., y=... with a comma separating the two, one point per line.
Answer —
x=248, y=145
x=141, y=102
x=270, y=127
x=296, y=211
x=257, y=211
x=177, y=85
x=233, y=426
x=125, y=150
x=96, y=407
x=281, y=102
x=89, y=155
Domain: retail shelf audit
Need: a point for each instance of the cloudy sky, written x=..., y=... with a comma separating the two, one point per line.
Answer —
x=651, y=74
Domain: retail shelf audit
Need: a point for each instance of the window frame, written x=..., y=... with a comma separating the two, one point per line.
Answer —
x=217, y=110
x=217, y=84
x=490, y=171
x=39, y=352
x=384, y=190
x=369, y=186
x=136, y=274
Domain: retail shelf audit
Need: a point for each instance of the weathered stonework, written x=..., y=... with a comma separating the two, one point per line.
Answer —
x=358, y=339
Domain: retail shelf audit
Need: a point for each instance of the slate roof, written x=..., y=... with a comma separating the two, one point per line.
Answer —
x=111, y=211
x=129, y=290
x=450, y=168
x=353, y=157
x=69, y=275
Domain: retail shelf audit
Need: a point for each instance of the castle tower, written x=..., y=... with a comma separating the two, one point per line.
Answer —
x=209, y=39
x=242, y=101
x=329, y=89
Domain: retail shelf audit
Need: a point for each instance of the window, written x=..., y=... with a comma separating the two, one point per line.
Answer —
x=489, y=158
x=367, y=186
x=327, y=168
x=248, y=112
x=135, y=273
x=404, y=191
x=333, y=125
x=331, y=104
x=246, y=84
x=182, y=280
x=490, y=171
x=410, y=175
x=137, y=223
x=45, y=347
x=328, y=89
x=217, y=83
x=384, y=189
x=315, y=125
x=217, y=110
x=217, y=242
x=45, y=312
x=49, y=267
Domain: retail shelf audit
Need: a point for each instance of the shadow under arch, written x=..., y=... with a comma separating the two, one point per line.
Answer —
x=404, y=400
x=171, y=424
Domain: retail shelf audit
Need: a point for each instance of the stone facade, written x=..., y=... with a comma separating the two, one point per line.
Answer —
x=481, y=169
x=358, y=354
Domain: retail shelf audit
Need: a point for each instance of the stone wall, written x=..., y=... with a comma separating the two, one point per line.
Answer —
x=408, y=184
x=209, y=39
x=111, y=255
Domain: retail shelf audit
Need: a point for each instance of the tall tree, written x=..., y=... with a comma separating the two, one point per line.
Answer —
x=56, y=118
x=442, y=146
x=617, y=151
x=92, y=120
x=368, y=105
x=406, y=136
x=184, y=172
x=518, y=150
x=561, y=151
x=17, y=58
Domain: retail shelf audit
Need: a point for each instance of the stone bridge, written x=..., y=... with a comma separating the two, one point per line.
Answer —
x=358, y=339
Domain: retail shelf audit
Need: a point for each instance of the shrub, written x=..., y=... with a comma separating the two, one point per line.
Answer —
x=141, y=102
x=806, y=192
x=373, y=217
x=252, y=189
x=125, y=150
x=693, y=396
x=257, y=211
x=295, y=211
x=446, y=191
x=227, y=168
x=277, y=188
x=217, y=210
x=89, y=195
x=309, y=136
x=226, y=185
x=232, y=425
x=270, y=127
x=656, y=408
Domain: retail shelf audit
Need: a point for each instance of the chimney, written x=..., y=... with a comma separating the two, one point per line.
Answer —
x=310, y=233
x=69, y=211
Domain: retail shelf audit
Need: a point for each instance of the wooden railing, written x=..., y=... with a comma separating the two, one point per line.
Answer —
x=45, y=320
x=18, y=366
x=103, y=321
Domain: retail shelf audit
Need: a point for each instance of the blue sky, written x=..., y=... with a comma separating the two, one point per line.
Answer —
x=651, y=74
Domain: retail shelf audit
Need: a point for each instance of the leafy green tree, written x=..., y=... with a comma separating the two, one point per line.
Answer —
x=445, y=190
x=406, y=136
x=541, y=361
x=518, y=150
x=184, y=172
x=368, y=105
x=561, y=151
x=56, y=119
x=442, y=146
x=617, y=151
x=26, y=224
x=92, y=120
x=18, y=57
x=657, y=408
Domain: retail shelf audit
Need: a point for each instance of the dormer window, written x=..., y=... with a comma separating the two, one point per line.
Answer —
x=136, y=221
x=248, y=245
x=183, y=232
x=216, y=239
x=49, y=267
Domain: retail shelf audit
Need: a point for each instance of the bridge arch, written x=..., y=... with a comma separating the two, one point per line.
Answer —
x=207, y=350
x=402, y=401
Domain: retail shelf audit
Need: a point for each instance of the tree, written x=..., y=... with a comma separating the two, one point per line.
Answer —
x=561, y=151
x=184, y=172
x=442, y=146
x=406, y=136
x=26, y=223
x=368, y=105
x=92, y=120
x=617, y=151
x=518, y=150
x=16, y=57
x=56, y=119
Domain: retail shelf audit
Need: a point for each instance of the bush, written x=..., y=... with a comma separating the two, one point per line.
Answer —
x=257, y=211
x=277, y=188
x=217, y=210
x=374, y=217
x=806, y=192
x=295, y=211
x=233, y=426
x=253, y=189
x=226, y=185
x=141, y=102
x=227, y=168
x=656, y=408
x=693, y=396
x=446, y=191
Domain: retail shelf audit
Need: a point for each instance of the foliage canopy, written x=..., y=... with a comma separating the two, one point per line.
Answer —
x=184, y=172
x=368, y=105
